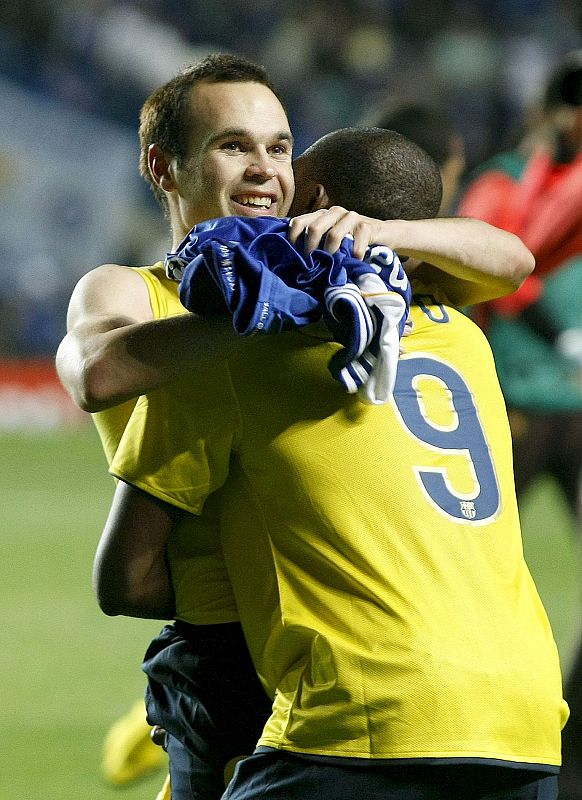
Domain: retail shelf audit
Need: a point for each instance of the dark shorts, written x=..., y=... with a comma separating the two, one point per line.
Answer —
x=203, y=689
x=278, y=775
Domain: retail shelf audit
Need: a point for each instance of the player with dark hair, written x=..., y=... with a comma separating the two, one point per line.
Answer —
x=337, y=162
x=215, y=140
x=237, y=161
x=385, y=155
x=374, y=551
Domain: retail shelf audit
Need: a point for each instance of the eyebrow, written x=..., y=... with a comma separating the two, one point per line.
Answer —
x=245, y=133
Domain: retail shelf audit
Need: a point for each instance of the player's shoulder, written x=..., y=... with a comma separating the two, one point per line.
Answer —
x=155, y=271
x=162, y=290
x=113, y=277
x=104, y=274
x=432, y=313
x=429, y=293
x=106, y=288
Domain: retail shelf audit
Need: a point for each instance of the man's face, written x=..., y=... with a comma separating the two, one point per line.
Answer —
x=240, y=156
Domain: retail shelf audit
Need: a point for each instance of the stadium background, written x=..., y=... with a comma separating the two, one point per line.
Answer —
x=72, y=77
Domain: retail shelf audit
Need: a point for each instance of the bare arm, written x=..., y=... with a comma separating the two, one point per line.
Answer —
x=115, y=350
x=130, y=572
x=471, y=260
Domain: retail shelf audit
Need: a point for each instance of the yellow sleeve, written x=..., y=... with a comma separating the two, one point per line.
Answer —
x=178, y=441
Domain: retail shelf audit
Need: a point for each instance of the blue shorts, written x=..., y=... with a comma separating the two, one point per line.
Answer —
x=279, y=775
x=204, y=691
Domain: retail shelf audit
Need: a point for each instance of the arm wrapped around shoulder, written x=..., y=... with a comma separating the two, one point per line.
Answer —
x=249, y=269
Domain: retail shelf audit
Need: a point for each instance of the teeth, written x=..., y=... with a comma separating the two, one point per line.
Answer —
x=251, y=200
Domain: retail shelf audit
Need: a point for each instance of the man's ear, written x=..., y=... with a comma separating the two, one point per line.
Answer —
x=318, y=198
x=161, y=168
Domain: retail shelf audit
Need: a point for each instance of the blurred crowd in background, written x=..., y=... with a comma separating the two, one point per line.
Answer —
x=74, y=74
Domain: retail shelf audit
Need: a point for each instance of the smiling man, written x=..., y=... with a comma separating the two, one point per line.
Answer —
x=215, y=141
x=236, y=157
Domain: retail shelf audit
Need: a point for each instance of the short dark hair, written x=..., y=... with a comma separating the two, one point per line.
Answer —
x=427, y=124
x=165, y=116
x=376, y=172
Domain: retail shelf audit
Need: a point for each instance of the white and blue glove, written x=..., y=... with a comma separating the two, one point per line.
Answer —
x=385, y=289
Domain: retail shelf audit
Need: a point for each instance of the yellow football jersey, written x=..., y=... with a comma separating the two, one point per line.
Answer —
x=201, y=584
x=384, y=595
x=164, y=300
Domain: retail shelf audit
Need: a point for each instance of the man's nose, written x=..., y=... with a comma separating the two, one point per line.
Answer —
x=260, y=167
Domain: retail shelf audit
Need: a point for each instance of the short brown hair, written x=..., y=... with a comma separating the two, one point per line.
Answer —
x=165, y=119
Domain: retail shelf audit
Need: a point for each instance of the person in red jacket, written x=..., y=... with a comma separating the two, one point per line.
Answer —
x=535, y=192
